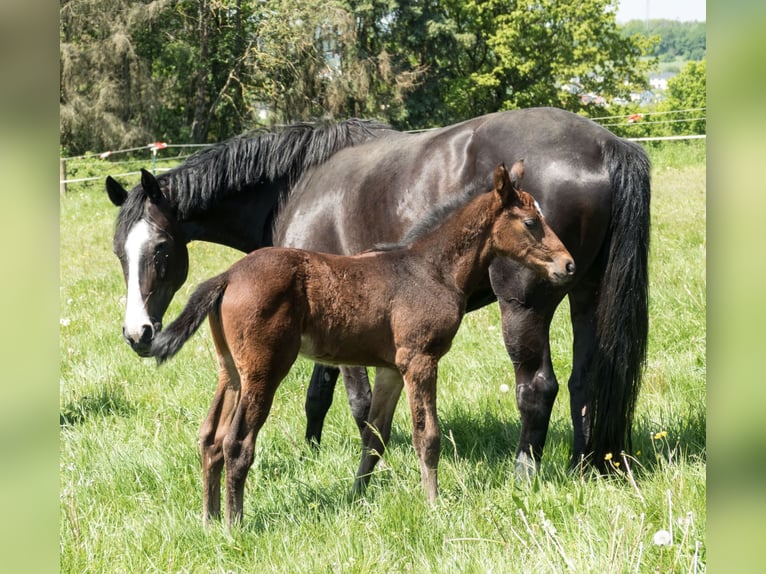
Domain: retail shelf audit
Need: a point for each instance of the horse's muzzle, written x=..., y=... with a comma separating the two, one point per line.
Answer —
x=141, y=342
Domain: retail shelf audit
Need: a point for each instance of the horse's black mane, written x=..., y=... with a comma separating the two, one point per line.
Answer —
x=436, y=216
x=264, y=156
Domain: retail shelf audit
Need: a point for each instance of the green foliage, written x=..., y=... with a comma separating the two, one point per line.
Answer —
x=130, y=494
x=676, y=40
x=204, y=70
x=488, y=55
x=688, y=90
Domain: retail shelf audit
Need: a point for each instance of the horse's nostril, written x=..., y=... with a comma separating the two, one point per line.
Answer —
x=147, y=332
x=570, y=267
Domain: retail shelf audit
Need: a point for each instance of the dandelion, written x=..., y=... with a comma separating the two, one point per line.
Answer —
x=504, y=388
x=661, y=538
x=659, y=435
x=608, y=456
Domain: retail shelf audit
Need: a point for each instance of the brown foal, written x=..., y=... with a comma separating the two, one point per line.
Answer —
x=397, y=308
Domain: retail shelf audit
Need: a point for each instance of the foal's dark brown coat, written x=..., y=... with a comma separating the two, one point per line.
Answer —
x=396, y=309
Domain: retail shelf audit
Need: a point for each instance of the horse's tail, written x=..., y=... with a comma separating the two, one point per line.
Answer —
x=206, y=298
x=622, y=315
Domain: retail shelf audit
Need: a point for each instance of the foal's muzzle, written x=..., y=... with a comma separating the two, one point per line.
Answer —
x=563, y=271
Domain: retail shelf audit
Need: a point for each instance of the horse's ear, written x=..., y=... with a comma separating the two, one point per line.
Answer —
x=151, y=186
x=117, y=194
x=503, y=185
x=517, y=174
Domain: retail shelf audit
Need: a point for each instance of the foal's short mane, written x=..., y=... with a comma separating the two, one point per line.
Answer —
x=436, y=216
x=226, y=168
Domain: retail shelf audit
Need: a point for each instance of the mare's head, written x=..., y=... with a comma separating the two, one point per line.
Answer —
x=522, y=233
x=151, y=247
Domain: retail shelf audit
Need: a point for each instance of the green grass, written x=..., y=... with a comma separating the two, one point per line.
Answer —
x=130, y=497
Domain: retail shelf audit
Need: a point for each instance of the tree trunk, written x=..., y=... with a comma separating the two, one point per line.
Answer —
x=201, y=120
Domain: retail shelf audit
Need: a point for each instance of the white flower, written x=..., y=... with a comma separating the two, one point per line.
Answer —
x=65, y=321
x=661, y=538
x=504, y=388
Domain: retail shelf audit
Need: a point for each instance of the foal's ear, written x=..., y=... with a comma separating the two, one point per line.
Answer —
x=117, y=194
x=503, y=185
x=151, y=186
x=517, y=174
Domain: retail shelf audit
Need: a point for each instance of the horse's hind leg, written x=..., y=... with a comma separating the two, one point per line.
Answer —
x=216, y=424
x=582, y=304
x=385, y=396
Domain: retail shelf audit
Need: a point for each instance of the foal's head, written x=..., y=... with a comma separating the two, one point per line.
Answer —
x=522, y=233
x=150, y=245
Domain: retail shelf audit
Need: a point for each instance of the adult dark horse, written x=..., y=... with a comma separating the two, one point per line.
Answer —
x=397, y=308
x=593, y=188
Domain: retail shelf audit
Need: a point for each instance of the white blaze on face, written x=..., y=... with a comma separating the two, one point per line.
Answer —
x=540, y=211
x=135, y=311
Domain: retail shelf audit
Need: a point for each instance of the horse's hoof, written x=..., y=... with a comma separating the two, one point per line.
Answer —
x=526, y=467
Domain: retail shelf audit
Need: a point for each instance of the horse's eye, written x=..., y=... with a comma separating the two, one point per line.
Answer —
x=531, y=223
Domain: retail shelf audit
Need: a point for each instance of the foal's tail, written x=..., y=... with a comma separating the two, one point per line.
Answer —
x=206, y=298
x=622, y=315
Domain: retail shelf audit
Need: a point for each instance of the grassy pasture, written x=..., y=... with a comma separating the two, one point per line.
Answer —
x=130, y=495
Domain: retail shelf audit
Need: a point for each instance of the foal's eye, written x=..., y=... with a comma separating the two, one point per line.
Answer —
x=531, y=223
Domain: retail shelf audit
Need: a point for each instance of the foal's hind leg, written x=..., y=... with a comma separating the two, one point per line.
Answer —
x=262, y=365
x=385, y=396
x=216, y=424
x=211, y=435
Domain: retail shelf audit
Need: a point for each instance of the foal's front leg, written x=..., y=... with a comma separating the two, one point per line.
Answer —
x=420, y=380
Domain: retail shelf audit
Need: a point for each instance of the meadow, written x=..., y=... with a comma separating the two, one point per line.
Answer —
x=130, y=485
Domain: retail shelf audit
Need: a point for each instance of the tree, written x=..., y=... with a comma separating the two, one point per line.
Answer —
x=688, y=91
x=488, y=55
x=105, y=86
x=134, y=71
x=684, y=40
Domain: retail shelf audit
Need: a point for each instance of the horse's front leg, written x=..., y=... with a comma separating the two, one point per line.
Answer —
x=420, y=381
x=359, y=394
x=375, y=435
x=525, y=332
x=318, y=400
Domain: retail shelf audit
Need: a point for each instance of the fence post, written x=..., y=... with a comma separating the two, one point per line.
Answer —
x=62, y=176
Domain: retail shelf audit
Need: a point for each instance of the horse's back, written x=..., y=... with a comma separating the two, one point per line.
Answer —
x=375, y=192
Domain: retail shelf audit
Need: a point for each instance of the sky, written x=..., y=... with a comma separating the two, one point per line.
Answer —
x=684, y=10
